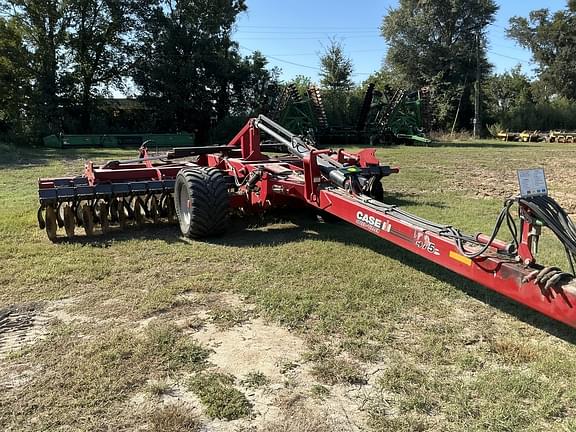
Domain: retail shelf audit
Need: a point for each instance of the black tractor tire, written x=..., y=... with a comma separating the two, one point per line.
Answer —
x=202, y=202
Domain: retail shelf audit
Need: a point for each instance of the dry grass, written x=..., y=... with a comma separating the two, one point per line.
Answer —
x=173, y=418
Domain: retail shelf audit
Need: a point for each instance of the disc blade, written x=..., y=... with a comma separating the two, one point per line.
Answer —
x=87, y=220
x=103, y=216
x=122, y=215
x=69, y=220
x=51, y=223
x=153, y=210
x=139, y=215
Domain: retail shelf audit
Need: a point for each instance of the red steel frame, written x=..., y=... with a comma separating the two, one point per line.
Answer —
x=289, y=180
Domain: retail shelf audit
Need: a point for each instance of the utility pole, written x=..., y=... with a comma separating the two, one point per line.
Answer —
x=477, y=123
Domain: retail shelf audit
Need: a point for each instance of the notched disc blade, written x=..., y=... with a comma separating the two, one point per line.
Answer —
x=51, y=223
x=69, y=221
x=139, y=215
x=154, y=210
x=87, y=220
x=114, y=211
x=122, y=216
x=103, y=214
x=41, y=221
x=171, y=210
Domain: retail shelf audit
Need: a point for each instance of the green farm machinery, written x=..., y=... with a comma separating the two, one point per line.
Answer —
x=385, y=117
x=119, y=140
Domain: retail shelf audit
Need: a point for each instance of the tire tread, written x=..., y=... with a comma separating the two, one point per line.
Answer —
x=208, y=192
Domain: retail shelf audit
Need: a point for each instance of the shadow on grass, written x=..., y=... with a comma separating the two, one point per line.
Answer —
x=305, y=228
x=23, y=158
x=293, y=226
x=168, y=233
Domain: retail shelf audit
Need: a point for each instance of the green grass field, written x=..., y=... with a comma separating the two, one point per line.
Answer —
x=283, y=324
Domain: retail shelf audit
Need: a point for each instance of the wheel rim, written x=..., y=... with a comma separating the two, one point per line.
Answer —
x=184, y=216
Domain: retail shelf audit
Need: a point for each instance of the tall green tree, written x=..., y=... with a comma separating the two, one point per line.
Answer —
x=98, y=48
x=551, y=39
x=252, y=85
x=186, y=59
x=302, y=82
x=15, y=77
x=433, y=43
x=44, y=25
x=335, y=68
x=507, y=91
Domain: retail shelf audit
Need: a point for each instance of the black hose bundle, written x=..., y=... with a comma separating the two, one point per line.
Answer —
x=554, y=217
x=543, y=209
x=503, y=216
x=549, y=212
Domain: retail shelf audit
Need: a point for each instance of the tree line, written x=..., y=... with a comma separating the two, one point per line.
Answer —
x=443, y=45
x=61, y=59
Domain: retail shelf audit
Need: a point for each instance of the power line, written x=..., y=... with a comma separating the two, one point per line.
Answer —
x=340, y=31
x=296, y=64
x=303, y=27
x=383, y=51
x=548, y=30
x=281, y=60
x=516, y=48
x=511, y=58
x=497, y=25
x=311, y=38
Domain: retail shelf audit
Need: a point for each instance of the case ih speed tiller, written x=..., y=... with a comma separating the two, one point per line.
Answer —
x=201, y=186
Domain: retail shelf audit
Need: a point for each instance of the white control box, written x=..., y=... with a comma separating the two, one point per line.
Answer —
x=532, y=182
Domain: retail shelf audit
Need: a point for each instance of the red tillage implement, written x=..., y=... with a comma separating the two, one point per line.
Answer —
x=200, y=186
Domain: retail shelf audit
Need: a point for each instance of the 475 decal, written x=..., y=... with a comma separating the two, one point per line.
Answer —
x=428, y=247
x=423, y=242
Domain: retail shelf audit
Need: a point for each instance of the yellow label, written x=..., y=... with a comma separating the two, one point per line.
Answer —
x=460, y=258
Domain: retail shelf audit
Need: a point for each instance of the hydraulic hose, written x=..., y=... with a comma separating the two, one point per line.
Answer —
x=298, y=147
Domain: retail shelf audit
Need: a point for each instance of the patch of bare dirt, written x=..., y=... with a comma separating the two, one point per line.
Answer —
x=21, y=326
x=262, y=347
x=288, y=400
x=255, y=346
x=500, y=181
